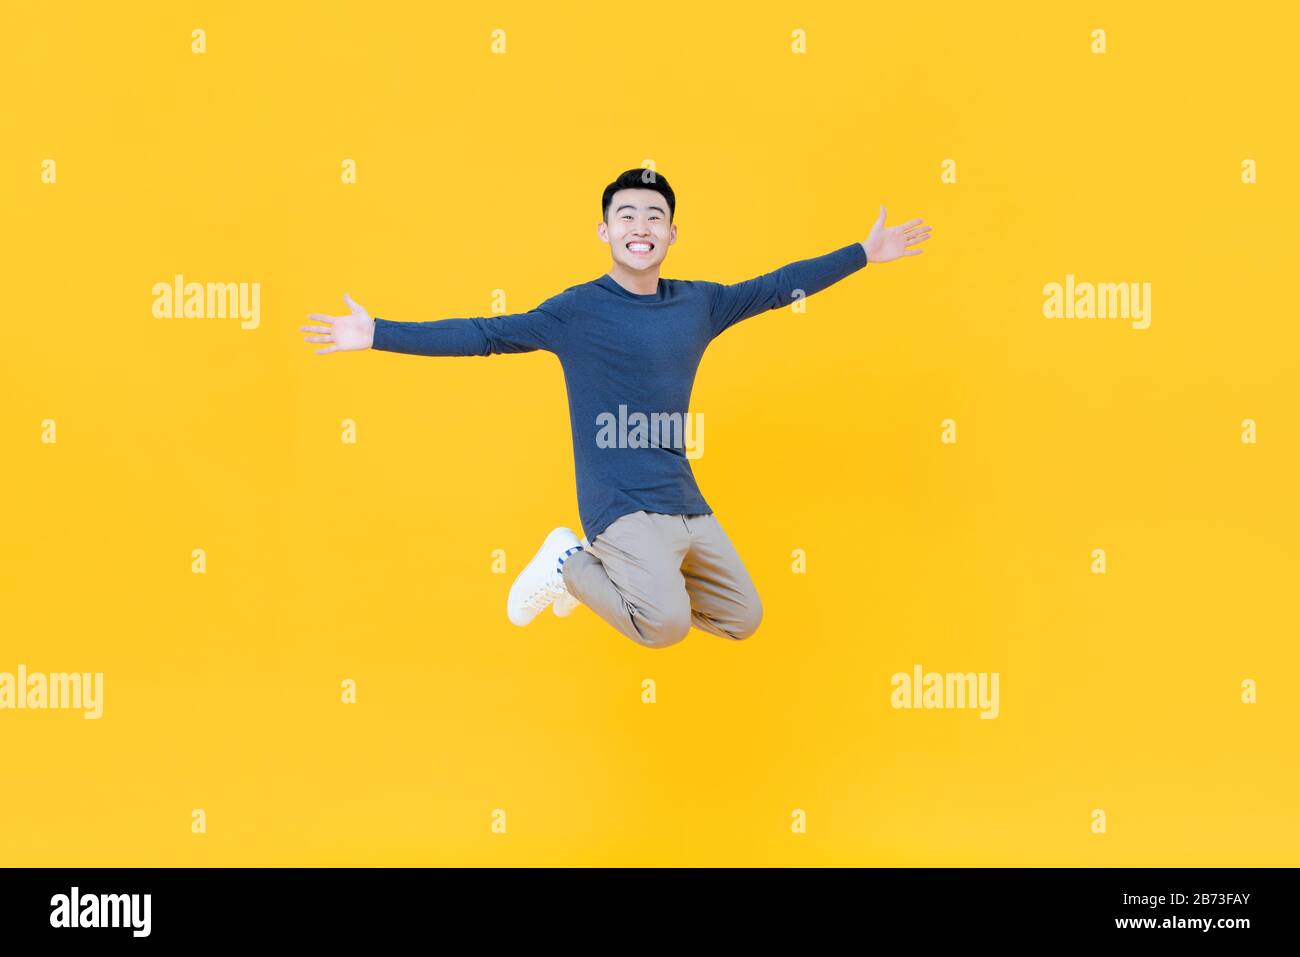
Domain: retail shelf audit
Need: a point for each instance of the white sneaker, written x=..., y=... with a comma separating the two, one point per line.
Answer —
x=542, y=580
x=564, y=605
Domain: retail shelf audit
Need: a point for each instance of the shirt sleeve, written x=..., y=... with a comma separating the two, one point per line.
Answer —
x=734, y=303
x=540, y=328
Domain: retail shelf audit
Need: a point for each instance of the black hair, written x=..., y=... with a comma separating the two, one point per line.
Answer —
x=639, y=179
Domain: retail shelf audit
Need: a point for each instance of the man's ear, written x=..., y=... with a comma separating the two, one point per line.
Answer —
x=672, y=235
x=603, y=232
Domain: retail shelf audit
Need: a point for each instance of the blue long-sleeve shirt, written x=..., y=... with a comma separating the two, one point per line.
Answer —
x=623, y=349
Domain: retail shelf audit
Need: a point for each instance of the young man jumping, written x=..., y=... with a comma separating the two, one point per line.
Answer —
x=655, y=561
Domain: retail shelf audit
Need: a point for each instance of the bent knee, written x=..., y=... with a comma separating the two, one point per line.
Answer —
x=661, y=631
x=747, y=622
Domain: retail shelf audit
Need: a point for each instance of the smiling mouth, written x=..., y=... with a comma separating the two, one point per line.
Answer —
x=640, y=248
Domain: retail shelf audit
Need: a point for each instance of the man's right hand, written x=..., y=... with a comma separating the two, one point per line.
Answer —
x=344, y=333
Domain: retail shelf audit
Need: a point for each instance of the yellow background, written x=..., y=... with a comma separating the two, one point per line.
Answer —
x=373, y=561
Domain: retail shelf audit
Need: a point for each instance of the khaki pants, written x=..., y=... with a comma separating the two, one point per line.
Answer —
x=653, y=576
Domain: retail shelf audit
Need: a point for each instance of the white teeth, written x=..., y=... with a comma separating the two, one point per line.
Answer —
x=639, y=247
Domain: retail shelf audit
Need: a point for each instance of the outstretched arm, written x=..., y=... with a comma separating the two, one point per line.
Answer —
x=480, y=336
x=734, y=303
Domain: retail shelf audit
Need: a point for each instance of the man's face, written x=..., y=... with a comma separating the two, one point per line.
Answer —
x=637, y=228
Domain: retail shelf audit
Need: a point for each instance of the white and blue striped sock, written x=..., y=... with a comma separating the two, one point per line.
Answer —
x=559, y=565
